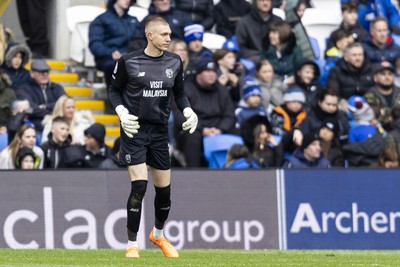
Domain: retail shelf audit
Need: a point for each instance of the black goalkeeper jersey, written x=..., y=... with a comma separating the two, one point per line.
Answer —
x=145, y=85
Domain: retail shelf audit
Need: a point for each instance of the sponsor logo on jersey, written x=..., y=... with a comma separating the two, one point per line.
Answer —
x=141, y=74
x=155, y=93
x=169, y=73
x=156, y=84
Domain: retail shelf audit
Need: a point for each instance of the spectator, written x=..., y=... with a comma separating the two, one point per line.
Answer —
x=95, y=149
x=390, y=157
x=253, y=28
x=286, y=117
x=363, y=116
x=251, y=104
x=18, y=117
x=238, y=158
x=395, y=132
x=327, y=107
x=384, y=95
x=349, y=24
x=381, y=47
x=110, y=33
x=330, y=145
x=282, y=51
x=179, y=47
x=78, y=120
x=194, y=39
x=25, y=137
x=7, y=96
x=271, y=85
x=26, y=159
x=41, y=93
x=213, y=106
x=200, y=11
x=308, y=155
x=229, y=72
x=227, y=14
x=175, y=17
x=306, y=78
x=57, y=140
x=352, y=74
x=113, y=162
x=16, y=59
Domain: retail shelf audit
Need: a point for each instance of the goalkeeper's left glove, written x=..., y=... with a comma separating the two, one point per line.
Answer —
x=191, y=120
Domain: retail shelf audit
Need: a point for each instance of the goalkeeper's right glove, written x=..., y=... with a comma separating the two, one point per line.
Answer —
x=129, y=122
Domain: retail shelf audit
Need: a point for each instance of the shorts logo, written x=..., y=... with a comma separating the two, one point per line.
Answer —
x=169, y=73
x=128, y=158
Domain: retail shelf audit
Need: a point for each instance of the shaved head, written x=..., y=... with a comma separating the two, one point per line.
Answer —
x=153, y=22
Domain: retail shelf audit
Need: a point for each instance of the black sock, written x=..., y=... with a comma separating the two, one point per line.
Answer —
x=162, y=205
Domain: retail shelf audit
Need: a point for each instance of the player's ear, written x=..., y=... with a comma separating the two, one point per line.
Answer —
x=149, y=36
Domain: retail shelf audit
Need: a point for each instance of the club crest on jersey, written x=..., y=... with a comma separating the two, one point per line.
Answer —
x=128, y=158
x=169, y=73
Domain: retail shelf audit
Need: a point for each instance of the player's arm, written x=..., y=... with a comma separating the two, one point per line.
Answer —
x=129, y=122
x=183, y=103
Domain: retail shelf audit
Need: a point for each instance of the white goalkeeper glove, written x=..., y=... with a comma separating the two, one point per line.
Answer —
x=129, y=122
x=191, y=120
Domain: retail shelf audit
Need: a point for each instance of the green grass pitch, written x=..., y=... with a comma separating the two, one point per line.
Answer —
x=201, y=258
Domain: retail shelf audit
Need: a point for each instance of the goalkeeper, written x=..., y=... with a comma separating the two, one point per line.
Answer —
x=142, y=87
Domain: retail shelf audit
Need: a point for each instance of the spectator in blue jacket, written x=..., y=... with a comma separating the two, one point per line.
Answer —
x=41, y=93
x=17, y=57
x=110, y=33
x=238, y=157
x=381, y=46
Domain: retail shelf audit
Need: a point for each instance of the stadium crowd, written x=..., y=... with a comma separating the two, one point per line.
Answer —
x=265, y=84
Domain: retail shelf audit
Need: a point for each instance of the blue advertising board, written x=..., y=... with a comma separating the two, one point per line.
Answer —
x=339, y=209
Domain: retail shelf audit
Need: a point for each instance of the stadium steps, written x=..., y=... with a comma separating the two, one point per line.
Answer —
x=112, y=132
x=64, y=77
x=79, y=92
x=107, y=119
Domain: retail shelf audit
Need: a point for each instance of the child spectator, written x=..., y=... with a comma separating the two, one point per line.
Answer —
x=330, y=145
x=16, y=59
x=271, y=85
x=95, y=149
x=26, y=159
x=238, y=157
x=286, y=117
x=363, y=116
x=251, y=104
x=18, y=117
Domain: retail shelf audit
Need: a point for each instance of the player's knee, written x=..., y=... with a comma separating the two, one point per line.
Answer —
x=163, y=195
x=138, y=191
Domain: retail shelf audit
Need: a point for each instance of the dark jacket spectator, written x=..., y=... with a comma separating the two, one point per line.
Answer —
x=26, y=159
x=95, y=150
x=17, y=57
x=7, y=96
x=227, y=14
x=352, y=74
x=330, y=145
x=113, y=162
x=253, y=28
x=41, y=93
x=395, y=132
x=199, y=11
x=18, y=117
x=53, y=151
x=364, y=153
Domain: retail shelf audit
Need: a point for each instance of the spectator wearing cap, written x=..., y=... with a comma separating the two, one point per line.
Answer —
x=113, y=162
x=194, y=39
x=253, y=28
x=330, y=145
x=200, y=11
x=251, y=104
x=95, y=149
x=230, y=73
x=26, y=159
x=41, y=93
x=175, y=17
x=213, y=106
x=17, y=56
x=384, y=95
x=286, y=117
x=308, y=155
x=363, y=116
x=381, y=47
x=352, y=74
x=227, y=14
x=271, y=85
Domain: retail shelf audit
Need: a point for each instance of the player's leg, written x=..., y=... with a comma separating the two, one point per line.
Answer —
x=139, y=177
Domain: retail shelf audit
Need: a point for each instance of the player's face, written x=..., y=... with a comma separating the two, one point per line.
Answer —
x=28, y=138
x=69, y=109
x=60, y=132
x=162, y=37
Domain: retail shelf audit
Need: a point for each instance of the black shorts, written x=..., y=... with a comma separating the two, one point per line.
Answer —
x=149, y=145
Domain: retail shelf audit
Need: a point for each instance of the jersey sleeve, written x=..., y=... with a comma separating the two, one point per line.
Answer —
x=180, y=96
x=118, y=82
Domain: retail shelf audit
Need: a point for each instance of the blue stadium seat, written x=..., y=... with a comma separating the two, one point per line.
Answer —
x=216, y=148
x=3, y=141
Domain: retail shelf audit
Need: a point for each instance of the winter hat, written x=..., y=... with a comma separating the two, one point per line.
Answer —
x=231, y=44
x=40, y=65
x=332, y=124
x=360, y=109
x=22, y=153
x=250, y=88
x=308, y=139
x=205, y=64
x=294, y=95
x=193, y=32
x=97, y=131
